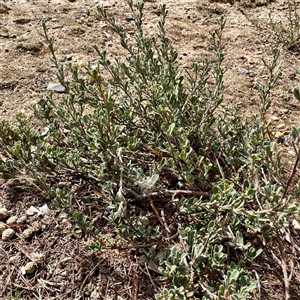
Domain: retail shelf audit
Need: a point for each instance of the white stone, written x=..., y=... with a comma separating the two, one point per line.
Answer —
x=8, y=234
x=29, y=268
x=12, y=220
x=28, y=233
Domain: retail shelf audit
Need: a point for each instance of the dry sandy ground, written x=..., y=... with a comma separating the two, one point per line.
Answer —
x=26, y=71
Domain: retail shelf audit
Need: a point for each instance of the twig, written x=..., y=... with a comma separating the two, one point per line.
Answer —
x=170, y=192
x=106, y=290
x=133, y=246
x=258, y=284
x=282, y=263
x=150, y=277
x=189, y=192
x=164, y=221
x=135, y=284
x=293, y=171
x=158, y=216
x=144, y=245
x=87, y=277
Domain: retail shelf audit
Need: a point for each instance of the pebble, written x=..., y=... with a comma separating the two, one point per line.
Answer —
x=14, y=258
x=28, y=233
x=242, y=70
x=2, y=228
x=8, y=234
x=86, y=13
x=95, y=295
x=12, y=220
x=44, y=210
x=29, y=268
x=56, y=87
x=129, y=19
x=35, y=226
x=3, y=213
x=32, y=210
x=280, y=126
x=275, y=118
x=21, y=220
x=107, y=35
x=296, y=224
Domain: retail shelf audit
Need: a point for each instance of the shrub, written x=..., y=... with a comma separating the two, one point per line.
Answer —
x=139, y=132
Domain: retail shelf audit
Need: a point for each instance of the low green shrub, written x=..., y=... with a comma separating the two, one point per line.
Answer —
x=140, y=132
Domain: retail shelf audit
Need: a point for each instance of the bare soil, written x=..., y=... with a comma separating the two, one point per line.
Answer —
x=67, y=270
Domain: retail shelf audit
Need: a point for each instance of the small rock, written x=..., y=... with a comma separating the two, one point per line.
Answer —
x=32, y=211
x=129, y=19
x=21, y=220
x=80, y=63
x=145, y=221
x=89, y=288
x=95, y=295
x=275, y=118
x=12, y=220
x=35, y=226
x=56, y=87
x=86, y=13
x=36, y=257
x=28, y=233
x=296, y=224
x=280, y=126
x=2, y=228
x=45, y=210
x=8, y=234
x=14, y=258
x=107, y=35
x=29, y=268
x=3, y=213
x=242, y=70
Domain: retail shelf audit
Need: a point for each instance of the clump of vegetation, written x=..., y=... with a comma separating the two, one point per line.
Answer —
x=287, y=34
x=177, y=169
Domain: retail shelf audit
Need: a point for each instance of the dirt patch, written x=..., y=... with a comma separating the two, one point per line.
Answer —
x=65, y=268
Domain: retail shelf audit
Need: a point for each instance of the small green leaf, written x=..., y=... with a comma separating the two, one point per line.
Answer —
x=240, y=238
x=297, y=94
x=170, y=129
x=234, y=275
x=7, y=176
